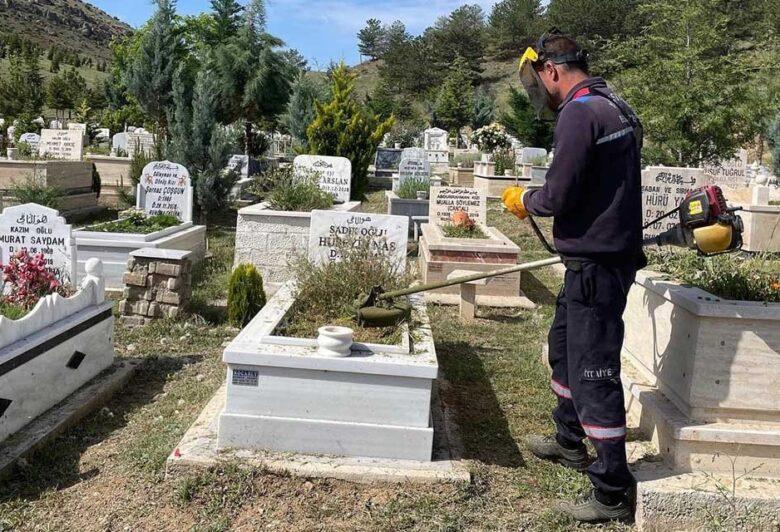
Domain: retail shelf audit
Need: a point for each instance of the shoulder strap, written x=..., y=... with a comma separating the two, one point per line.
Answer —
x=625, y=110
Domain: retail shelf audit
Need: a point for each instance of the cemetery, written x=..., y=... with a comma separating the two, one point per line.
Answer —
x=291, y=297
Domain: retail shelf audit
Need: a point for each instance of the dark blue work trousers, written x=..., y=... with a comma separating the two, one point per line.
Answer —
x=585, y=343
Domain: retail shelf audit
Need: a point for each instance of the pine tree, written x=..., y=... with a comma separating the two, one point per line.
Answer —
x=226, y=19
x=344, y=128
x=370, y=39
x=513, y=25
x=150, y=76
x=454, y=106
x=521, y=121
x=484, y=109
x=301, y=110
x=461, y=33
x=180, y=117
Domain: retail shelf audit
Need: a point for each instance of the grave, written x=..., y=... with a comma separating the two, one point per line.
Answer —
x=335, y=174
x=414, y=164
x=386, y=165
x=32, y=139
x=269, y=239
x=114, y=177
x=119, y=144
x=140, y=140
x=72, y=178
x=82, y=128
x=493, y=186
x=39, y=229
x=435, y=145
x=762, y=223
x=61, y=144
x=440, y=255
x=731, y=176
x=61, y=345
x=164, y=188
x=663, y=188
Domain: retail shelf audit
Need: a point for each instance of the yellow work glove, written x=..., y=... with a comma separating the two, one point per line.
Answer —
x=513, y=201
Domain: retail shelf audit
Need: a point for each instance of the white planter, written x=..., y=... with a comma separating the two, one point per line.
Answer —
x=701, y=376
x=54, y=350
x=282, y=395
x=269, y=239
x=114, y=248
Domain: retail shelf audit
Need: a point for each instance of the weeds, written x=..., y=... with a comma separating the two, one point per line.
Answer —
x=459, y=231
x=31, y=190
x=410, y=186
x=286, y=190
x=137, y=223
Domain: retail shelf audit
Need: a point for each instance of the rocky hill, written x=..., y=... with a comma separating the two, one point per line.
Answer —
x=69, y=24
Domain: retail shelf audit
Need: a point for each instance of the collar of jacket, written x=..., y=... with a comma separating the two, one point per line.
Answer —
x=585, y=84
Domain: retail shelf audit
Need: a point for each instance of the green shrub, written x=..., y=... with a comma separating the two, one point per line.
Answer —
x=286, y=191
x=137, y=164
x=732, y=276
x=327, y=293
x=137, y=223
x=246, y=296
x=505, y=160
x=410, y=186
x=459, y=231
x=31, y=191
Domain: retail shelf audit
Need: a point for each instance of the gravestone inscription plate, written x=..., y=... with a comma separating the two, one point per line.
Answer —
x=165, y=188
x=385, y=234
x=663, y=188
x=334, y=173
x=38, y=229
x=61, y=144
x=445, y=201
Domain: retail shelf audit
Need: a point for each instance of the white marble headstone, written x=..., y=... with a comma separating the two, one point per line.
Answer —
x=33, y=139
x=445, y=201
x=414, y=164
x=663, y=188
x=435, y=139
x=61, y=144
x=39, y=230
x=335, y=173
x=527, y=155
x=119, y=142
x=165, y=188
x=140, y=140
x=387, y=235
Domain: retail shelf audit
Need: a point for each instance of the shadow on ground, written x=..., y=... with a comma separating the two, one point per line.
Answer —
x=56, y=465
x=483, y=425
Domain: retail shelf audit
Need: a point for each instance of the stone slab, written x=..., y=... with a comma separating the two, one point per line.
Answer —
x=161, y=254
x=58, y=419
x=198, y=451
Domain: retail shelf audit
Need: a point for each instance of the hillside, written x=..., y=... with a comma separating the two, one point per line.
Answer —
x=69, y=24
x=497, y=77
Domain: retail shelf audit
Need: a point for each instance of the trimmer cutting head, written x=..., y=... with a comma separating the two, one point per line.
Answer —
x=375, y=312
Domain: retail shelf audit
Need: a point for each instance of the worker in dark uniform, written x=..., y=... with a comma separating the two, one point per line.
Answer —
x=593, y=192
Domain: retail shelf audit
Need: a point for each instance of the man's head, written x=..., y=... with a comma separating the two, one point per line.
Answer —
x=562, y=65
x=550, y=69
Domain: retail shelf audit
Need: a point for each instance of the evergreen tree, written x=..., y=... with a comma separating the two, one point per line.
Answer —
x=180, y=116
x=344, y=128
x=370, y=39
x=484, y=108
x=461, y=33
x=513, y=25
x=23, y=91
x=591, y=18
x=226, y=19
x=454, y=106
x=150, y=75
x=301, y=110
x=521, y=121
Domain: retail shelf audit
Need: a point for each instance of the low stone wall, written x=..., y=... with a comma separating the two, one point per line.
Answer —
x=462, y=177
x=158, y=284
x=270, y=239
x=494, y=186
x=406, y=207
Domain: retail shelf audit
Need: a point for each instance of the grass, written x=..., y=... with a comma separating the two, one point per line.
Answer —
x=107, y=472
x=13, y=312
x=459, y=231
x=410, y=186
x=137, y=223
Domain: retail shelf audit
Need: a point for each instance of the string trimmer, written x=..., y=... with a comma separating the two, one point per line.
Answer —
x=705, y=224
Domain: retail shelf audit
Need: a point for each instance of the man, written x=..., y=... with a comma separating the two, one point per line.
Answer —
x=593, y=191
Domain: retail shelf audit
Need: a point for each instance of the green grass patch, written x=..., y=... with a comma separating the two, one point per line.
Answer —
x=13, y=312
x=410, y=186
x=137, y=223
x=459, y=231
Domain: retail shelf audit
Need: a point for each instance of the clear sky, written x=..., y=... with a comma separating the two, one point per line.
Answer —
x=320, y=29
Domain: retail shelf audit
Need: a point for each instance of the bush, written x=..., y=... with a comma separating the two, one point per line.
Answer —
x=246, y=296
x=729, y=276
x=328, y=293
x=137, y=164
x=31, y=191
x=137, y=222
x=410, y=186
x=490, y=138
x=505, y=160
x=286, y=191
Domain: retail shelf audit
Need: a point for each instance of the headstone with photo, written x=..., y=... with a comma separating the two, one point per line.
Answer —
x=335, y=173
x=32, y=139
x=38, y=229
x=445, y=201
x=384, y=233
x=663, y=188
x=165, y=188
x=61, y=144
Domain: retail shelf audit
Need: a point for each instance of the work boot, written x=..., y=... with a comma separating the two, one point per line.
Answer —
x=598, y=508
x=548, y=448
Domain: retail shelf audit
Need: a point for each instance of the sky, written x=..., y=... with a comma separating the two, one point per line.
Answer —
x=322, y=30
